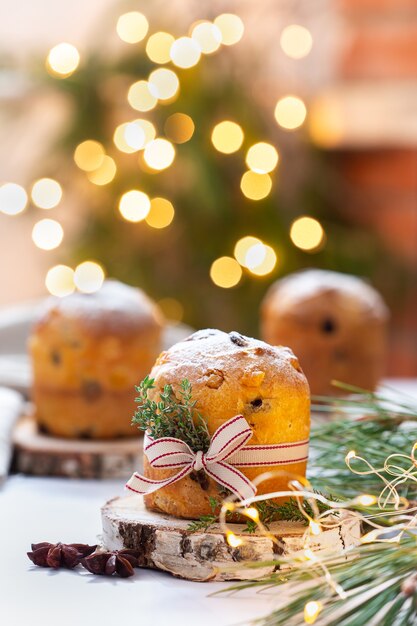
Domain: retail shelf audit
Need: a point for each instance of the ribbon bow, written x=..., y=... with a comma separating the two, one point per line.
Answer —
x=172, y=453
x=227, y=450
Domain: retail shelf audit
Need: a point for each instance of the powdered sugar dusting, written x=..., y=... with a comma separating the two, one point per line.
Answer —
x=309, y=284
x=215, y=350
x=115, y=304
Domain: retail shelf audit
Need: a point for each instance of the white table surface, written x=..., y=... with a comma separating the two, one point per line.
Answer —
x=52, y=509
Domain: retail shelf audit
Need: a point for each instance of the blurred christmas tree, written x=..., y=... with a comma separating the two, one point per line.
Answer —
x=183, y=191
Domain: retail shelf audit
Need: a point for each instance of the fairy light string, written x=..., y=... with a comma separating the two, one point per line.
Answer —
x=399, y=517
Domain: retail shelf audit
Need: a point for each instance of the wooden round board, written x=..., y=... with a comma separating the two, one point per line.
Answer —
x=166, y=544
x=44, y=455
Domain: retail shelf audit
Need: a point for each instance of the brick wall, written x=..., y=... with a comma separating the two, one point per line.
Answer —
x=380, y=46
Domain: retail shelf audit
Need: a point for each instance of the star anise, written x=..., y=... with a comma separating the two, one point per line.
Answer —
x=59, y=554
x=120, y=562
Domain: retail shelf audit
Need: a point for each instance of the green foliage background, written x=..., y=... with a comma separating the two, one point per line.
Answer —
x=204, y=186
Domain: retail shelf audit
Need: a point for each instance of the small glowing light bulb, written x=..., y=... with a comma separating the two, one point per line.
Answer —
x=232, y=540
x=311, y=611
x=309, y=554
x=252, y=513
x=315, y=528
x=366, y=500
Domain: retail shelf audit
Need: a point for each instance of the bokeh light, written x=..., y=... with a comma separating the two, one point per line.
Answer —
x=13, y=199
x=104, y=174
x=227, y=137
x=134, y=205
x=62, y=60
x=132, y=27
x=59, y=281
x=159, y=154
x=262, y=158
x=172, y=309
x=255, y=255
x=231, y=28
x=179, y=127
x=290, y=112
x=88, y=276
x=327, y=121
x=89, y=155
x=225, y=272
x=140, y=96
x=161, y=213
x=147, y=127
x=47, y=234
x=307, y=233
x=255, y=186
x=208, y=37
x=158, y=47
x=185, y=52
x=132, y=136
x=242, y=246
x=119, y=139
x=163, y=83
x=261, y=259
x=46, y=193
x=296, y=41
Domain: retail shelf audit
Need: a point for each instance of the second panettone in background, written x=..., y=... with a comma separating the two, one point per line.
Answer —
x=88, y=353
x=335, y=323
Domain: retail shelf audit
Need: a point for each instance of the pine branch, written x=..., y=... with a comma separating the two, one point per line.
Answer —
x=379, y=578
x=377, y=429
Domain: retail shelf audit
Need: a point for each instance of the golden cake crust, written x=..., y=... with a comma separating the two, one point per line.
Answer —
x=336, y=324
x=232, y=375
x=88, y=352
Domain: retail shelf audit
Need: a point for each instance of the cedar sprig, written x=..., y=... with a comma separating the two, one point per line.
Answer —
x=172, y=415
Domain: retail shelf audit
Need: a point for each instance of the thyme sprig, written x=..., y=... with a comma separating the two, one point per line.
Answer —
x=173, y=415
x=206, y=521
x=269, y=511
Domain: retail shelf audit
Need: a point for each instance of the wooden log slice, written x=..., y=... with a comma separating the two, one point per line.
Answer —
x=45, y=455
x=166, y=544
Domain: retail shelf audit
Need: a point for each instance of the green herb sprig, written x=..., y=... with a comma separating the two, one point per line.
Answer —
x=269, y=511
x=171, y=416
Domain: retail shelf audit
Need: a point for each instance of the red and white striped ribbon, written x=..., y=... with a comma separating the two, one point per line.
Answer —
x=227, y=451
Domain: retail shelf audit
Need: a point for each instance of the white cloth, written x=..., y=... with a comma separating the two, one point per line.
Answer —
x=11, y=404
